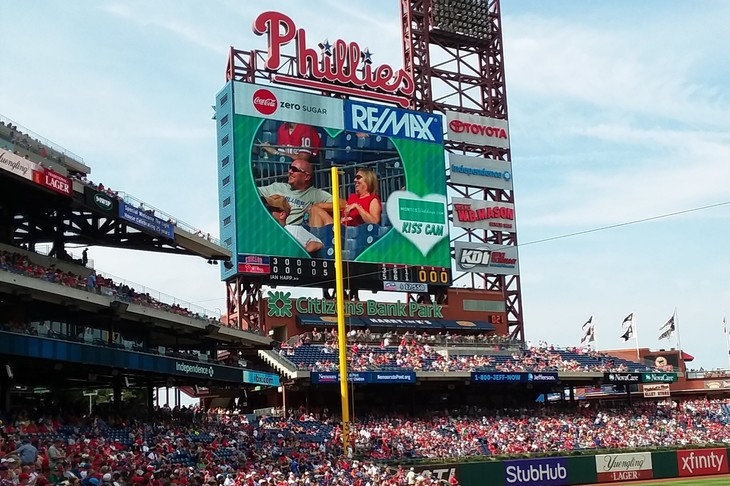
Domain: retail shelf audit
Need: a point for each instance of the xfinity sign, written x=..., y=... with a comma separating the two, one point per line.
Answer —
x=393, y=122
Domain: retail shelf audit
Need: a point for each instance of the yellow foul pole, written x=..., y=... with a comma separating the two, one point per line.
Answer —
x=341, y=335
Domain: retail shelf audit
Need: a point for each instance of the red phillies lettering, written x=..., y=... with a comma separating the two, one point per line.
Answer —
x=341, y=67
x=280, y=30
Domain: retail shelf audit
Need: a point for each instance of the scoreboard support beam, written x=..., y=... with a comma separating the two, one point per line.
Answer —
x=470, y=79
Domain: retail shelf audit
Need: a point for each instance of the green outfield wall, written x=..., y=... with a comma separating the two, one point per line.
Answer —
x=583, y=469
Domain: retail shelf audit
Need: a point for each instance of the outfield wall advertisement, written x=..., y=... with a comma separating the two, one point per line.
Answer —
x=585, y=469
x=624, y=467
x=270, y=128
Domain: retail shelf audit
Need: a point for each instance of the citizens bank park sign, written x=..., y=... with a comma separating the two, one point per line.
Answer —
x=340, y=66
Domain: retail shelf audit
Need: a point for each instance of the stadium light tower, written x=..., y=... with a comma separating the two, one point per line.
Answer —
x=453, y=50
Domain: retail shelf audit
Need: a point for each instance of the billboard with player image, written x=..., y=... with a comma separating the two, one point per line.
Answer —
x=276, y=148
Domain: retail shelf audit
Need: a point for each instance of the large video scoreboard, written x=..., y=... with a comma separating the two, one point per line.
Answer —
x=263, y=129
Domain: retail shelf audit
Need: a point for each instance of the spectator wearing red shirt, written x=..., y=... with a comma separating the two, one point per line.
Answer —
x=295, y=141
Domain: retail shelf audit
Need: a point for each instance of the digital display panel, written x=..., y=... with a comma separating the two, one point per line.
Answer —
x=276, y=149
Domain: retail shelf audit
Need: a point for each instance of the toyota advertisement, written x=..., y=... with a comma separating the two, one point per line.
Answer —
x=276, y=148
x=477, y=130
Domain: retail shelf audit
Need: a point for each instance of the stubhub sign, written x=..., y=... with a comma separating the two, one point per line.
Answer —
x=543, y=472
x=393, y=122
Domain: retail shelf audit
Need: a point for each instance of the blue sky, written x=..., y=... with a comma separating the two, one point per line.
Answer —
x=618, y=112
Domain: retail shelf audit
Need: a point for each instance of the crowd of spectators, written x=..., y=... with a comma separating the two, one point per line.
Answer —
x=442, y=338
x=219, y=448
x=404, y=351
x=19, y=263
x=24, y=141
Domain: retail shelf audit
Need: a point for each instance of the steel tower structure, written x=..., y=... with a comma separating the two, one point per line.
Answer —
x=454, y=51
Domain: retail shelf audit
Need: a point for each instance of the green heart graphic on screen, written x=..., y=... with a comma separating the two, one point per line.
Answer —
x=421, y=220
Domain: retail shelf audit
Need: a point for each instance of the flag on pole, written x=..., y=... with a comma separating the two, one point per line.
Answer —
x=628, y=326
x=589, y=336
x=666, y=331
x=724, y=326
x=588, y=332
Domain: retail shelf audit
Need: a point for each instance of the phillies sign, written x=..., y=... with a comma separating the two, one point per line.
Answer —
x=342, y=67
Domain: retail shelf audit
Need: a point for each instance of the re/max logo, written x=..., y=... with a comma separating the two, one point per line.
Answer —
x=392, y=122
